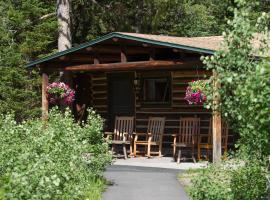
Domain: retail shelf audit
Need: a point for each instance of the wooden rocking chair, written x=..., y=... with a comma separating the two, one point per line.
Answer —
x=123, y=133
x=187, y=137
x=153, y=136
x=206, y=140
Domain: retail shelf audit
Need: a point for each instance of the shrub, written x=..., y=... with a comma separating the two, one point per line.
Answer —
x=39, y=161
x=211, y=183
x=231, y=180
x=248, y=182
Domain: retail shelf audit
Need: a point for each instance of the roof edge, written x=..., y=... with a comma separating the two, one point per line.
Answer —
x=119, y=35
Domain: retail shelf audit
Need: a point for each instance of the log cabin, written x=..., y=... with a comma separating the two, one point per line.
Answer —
x=133, y=74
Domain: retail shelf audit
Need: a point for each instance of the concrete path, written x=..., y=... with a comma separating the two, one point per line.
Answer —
x=143, y=183
x=163, y=162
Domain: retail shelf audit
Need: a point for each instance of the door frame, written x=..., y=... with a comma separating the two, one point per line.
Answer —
x=111, y=76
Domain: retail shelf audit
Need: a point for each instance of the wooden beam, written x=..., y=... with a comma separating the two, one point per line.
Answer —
x=123, y=54
x=152, y=54
x=216, y=121
x=142, y=65
x=96, y=60
x=45, y=102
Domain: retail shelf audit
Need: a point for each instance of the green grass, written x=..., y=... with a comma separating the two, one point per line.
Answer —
x=96, y=189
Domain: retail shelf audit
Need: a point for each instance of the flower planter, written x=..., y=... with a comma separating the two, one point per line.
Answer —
x=195, y=92
x=60, y=94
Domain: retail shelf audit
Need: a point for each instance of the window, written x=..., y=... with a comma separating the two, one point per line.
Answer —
x=156, y=90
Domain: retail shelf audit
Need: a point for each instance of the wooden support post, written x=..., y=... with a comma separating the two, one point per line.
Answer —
x=152, y=54
x=45, y=102
x=96, y=59
x=123, y=54
x=216, y=121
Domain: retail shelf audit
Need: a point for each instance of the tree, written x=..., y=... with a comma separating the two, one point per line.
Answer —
x=23, y=36
x=64, y=25
x=244, y=78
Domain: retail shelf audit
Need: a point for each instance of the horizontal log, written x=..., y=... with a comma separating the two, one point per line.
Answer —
x=142, y=65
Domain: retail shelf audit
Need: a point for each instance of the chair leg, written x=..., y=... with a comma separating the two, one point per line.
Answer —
x=159, y=150
x=179, y=156
x=174, y=151
x=125, y=151
x=131, y=149
x=135, y=150
x=148, y=150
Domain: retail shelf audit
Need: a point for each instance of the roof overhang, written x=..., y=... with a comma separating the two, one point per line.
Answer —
x=121, y=36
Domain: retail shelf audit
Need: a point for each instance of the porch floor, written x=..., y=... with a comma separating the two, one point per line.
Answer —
x=156, y=162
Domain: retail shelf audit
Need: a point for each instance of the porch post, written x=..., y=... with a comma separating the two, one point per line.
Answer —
x=216, y=122
x=45, y=103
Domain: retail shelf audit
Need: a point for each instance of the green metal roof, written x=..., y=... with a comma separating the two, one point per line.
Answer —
x=123, y=36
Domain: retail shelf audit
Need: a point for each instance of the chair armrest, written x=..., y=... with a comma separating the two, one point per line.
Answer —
x=175, y=134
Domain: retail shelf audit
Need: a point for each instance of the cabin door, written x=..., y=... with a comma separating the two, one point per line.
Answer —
x=121, y=96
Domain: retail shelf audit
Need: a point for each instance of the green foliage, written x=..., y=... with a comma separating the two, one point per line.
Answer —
x=232, y=180
x=244, y=92
x=23, y=36
x=249, y=182
x=243, y=79
x=255, y=111
x=59, y=160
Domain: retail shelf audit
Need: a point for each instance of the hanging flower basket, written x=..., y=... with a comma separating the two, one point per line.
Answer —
x=195, y=92
x=60, y=94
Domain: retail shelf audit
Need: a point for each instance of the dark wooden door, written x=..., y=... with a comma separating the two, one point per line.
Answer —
x=121, y=96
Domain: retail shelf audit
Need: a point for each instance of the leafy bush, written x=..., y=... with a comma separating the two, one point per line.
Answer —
x=244, y=79
x=211, y=183
x=59, y=160
x=231, y=181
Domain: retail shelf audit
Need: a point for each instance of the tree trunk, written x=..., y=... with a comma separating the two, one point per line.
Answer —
x=64, y=32
x=64, y=26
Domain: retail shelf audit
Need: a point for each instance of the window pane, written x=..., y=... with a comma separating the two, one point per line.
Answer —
x=156, y=90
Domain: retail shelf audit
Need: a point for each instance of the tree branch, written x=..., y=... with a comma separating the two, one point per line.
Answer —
x=47, y=16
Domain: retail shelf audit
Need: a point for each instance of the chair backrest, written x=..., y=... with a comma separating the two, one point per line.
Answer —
x=189, y=130
x=224, y=132
x=156, y=127
x=123, y=124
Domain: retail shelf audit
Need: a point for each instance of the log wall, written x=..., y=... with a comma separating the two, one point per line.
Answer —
x=178, y=107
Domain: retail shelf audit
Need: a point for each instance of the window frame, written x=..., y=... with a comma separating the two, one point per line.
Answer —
x=169, y=88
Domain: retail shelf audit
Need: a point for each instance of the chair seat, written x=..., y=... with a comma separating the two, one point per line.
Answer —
x=120, y=142
x=146, y=143
x=181, y=145
x=205, y=145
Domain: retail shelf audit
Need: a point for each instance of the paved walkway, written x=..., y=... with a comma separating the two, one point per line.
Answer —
x=163, y=162
x=143, y=183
